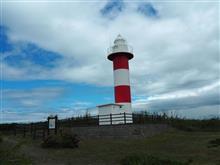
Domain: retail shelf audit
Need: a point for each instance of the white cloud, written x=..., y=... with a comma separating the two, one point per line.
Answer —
x=30, y=98
x=175, y=54
x=204, y=102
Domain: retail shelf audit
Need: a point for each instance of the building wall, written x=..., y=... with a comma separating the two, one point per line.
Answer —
x=111, y=109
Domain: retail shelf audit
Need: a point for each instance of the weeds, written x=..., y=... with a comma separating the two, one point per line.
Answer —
x=150, y=160
x=61, y=141
x=214, y=143
x=1, y=138
x=10, y=156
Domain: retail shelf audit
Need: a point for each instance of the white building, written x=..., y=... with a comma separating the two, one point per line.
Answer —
x=111, y=114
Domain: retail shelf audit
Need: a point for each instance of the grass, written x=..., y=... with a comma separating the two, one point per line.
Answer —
x=61, y=141
x=141, y=159
x=195, y=125
x=10, y=154
x=194, y=142
x=214, y=143
x=176, y=146
x=1, y=138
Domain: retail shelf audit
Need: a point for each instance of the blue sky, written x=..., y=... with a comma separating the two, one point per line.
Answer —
x=54, y=57
x=21, y=96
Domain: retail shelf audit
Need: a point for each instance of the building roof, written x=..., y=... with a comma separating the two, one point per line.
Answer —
x=110, y=104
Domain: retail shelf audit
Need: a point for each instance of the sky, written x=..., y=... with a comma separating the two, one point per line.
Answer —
x=54, y=57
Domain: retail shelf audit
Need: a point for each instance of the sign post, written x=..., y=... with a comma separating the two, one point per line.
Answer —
x=52, y=124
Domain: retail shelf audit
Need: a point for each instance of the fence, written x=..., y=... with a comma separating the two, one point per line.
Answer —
x=112, y=119
x=40, y=129
x=34, y=130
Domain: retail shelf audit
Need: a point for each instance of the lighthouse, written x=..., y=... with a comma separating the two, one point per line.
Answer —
x=119, y=112
x=120, y=54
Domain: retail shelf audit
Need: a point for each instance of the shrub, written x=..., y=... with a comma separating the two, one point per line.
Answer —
x=70, y=141
x=1, y=138
x=149, y=160
x=61, y=141
x=51, y=141
x=214, y=143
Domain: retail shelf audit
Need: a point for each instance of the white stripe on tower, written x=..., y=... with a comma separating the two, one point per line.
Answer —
x=121, y=77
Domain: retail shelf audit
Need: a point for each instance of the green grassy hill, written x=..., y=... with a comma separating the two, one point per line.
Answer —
x=181, y=146
x=195, y=142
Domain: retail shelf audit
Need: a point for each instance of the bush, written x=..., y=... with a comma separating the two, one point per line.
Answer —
x=214, y=143
x=70, y=141
x=149, y=160
x=1, y=138
x=61, y=141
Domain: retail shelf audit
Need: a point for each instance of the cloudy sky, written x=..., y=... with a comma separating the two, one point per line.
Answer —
x=53, y=56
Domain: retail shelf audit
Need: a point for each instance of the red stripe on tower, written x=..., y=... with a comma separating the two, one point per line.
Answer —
x=120, y=62
x=120, y=54
x=122, y=94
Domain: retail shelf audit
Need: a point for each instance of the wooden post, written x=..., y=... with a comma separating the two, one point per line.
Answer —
x=110, y=119
x=56, y=122
x=124, y=118
x=31, y=128
x=34, y=136
x=132, y=117
x=43, y=133
x=48, y=129
x=24, y=131
x=15, y=131
x=98, y=120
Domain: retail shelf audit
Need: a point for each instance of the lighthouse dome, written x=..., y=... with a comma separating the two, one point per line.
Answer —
x=120, y=40
x=120, y=45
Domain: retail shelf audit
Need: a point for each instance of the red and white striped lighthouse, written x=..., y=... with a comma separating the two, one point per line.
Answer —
x=120, y=53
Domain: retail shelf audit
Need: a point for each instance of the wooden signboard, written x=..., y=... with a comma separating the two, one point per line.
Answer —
x=52, y=124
